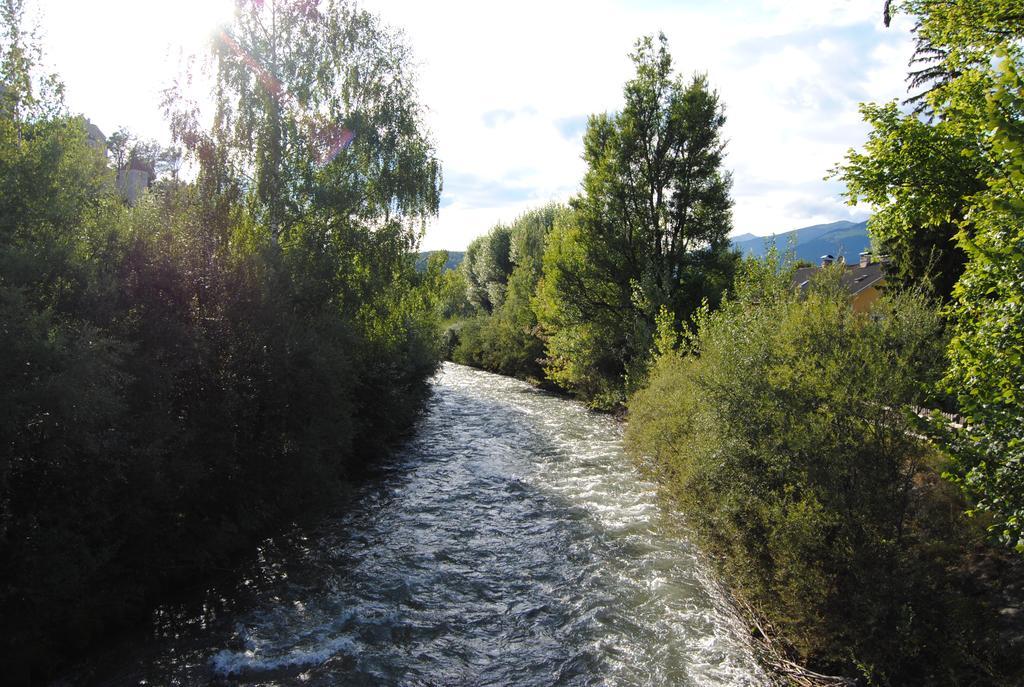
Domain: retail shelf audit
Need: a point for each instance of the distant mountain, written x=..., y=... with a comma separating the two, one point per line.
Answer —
x=454, y=259
x=839, y=239
x=743, y=237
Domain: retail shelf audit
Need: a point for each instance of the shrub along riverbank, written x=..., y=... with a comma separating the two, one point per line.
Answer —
x=781, y=429
x=182, y=374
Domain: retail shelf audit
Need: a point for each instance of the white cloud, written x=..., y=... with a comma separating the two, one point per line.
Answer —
x=790, y=73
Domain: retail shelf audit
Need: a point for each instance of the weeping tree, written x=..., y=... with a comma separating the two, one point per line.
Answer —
x=316, y=110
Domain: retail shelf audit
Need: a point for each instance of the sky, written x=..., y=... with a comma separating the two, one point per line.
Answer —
x=507, y=88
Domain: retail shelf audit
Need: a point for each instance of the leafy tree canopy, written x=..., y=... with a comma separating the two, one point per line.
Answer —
x=649, y=229
x=946, y=183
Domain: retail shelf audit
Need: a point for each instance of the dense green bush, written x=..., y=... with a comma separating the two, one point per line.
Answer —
x=783, y=431
x=165, y=400
x=178, y=376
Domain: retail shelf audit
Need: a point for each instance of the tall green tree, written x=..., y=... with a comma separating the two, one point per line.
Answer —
x=649, y=229
x=987, y=351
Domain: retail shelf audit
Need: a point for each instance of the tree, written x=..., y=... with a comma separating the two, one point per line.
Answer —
x=119, y=148
x=507, y=339
x=487, y=266
x=529, y=236
x=949, y=185
x=27, y=93
x=649, y=230
x=920, y=169
x=169, y=162
x=987, y=350
x=317, y=109
x=175, y=383
x=954, y=39
x=919, y=177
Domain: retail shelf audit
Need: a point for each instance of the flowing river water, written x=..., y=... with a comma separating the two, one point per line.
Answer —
x=510, y=541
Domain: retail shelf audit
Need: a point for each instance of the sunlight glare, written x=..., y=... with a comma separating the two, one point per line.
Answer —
x=190, y=23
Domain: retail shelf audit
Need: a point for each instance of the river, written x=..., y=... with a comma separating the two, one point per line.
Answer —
x=510, y=541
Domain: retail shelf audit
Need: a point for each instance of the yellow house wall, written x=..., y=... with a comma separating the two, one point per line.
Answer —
x=862, y=301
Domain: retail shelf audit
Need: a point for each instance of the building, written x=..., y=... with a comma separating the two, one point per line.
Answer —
x=130, y=182
x=863, y=281
x=95, y=137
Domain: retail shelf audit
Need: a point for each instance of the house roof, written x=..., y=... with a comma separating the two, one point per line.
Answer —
x=855, y=278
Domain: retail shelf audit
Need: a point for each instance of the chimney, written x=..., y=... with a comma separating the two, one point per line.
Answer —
x=827, y=260
x=865, y=259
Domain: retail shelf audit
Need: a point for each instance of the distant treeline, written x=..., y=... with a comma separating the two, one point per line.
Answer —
x=180, y=375
x=778, y=419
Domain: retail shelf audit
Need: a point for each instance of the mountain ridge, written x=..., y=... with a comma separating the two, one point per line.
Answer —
x=841, y=239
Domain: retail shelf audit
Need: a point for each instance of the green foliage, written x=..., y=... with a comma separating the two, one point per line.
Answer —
x=955, y=39
x=649, y=230
x=987, y=350
x=581, y=349
x=291, y=78
x=919, y=173
x=181, y=375
x=919, y=176
x=28, y=93
x=529, y=235
x=486, y=267
x=783, y=431
x=948, y=193
x=573, y=295
x=507, y=340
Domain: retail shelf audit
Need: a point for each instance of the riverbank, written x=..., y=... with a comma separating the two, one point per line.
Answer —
x=151, y=585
